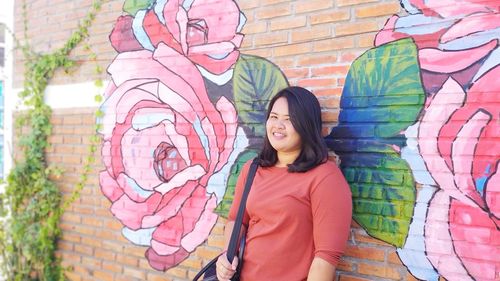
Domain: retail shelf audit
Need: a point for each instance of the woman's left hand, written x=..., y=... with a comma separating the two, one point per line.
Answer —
x=226, y=270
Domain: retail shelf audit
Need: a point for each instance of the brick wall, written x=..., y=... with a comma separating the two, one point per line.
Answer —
x=412, y=208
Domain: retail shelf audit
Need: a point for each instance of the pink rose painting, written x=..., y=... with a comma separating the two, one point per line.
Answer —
x=456, y=137
x=171, y=130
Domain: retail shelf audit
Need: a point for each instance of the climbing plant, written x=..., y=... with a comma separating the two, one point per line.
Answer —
x=32, y=205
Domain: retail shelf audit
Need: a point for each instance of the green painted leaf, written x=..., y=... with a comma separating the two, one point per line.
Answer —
x=384, y=85
x=255, y=82
x=224, y=206
x=133, y=6
x=383, y=95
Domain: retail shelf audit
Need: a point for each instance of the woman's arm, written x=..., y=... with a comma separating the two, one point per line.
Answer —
x=226, y=270
x=321, y=270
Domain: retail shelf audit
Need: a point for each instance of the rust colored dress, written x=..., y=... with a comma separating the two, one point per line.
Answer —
x=292, y=218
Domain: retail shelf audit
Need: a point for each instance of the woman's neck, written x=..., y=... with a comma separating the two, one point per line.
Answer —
x=286, y=158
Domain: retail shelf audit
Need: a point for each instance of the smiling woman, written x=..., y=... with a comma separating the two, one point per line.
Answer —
x=299, y=204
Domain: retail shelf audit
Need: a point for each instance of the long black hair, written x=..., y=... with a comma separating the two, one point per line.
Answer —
x=305, y=115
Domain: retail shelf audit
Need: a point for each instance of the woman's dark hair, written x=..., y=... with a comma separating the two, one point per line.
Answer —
x=305, y=115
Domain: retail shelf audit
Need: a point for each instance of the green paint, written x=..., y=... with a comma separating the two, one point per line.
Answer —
x=224, y=206
x=383, y=95
x=255, y=82
x=133, y=6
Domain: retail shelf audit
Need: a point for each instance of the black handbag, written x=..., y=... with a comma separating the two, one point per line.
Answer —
x=209, y=272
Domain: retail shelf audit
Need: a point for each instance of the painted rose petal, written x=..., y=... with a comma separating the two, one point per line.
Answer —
x=202, y=228
x=438, y=240
x=109, y=107
x=132, y=189
x=122, y=36
x=220, y=28
x=170, y=232
x=230, y=119
x=471, y=25
x=158, y=32
x=129, y=100
x=178, y=102
x=106, y=155
x=237, y=40
x=462, y=156
x=163, y=249
x=130, y=213
x=179, y=141
x=213, y=49
x=214, y=142
x=215, y=65
x=388, y=33
x=435, y=60
x=194, y=91
x=182, y=21
x=434, y=119
x=163, y=263
x=191, y=173
x=492, y=192
x=109, y=186
x=472, y=228
x=131, y=65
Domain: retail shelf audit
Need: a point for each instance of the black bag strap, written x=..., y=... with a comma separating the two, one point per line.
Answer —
x=235, y=235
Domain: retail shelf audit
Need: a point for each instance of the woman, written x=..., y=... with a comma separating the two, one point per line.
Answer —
x=299, y=209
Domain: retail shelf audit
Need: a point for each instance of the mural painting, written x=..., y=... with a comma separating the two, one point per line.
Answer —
x=418, y=138
x=182, y=113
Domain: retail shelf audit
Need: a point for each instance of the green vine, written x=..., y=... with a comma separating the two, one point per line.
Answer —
x=32, y=205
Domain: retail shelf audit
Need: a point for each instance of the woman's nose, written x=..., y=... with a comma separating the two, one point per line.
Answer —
x=280, y=124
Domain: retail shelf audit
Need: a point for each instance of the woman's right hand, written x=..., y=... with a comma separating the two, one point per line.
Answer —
x=226, y=270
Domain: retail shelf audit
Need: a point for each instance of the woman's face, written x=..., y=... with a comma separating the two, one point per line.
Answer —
x=279, y=128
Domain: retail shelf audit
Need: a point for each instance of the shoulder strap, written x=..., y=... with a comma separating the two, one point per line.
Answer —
x=235, y=235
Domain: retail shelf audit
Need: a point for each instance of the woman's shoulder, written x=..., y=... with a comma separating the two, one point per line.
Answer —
x=327, y=167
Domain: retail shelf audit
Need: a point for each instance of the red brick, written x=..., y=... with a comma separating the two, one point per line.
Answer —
x=104, y=254
x=140, y=274
x=330, y=16
x=365, y=253
x=317, y=59
x=330, y=70
x=355, y=28
x=296, y=73
x=367, y=40
x=311, y=34
x=273, y=11
x=342, y=3
x=305, y=6
x=293, y=49
x=254, y=27
x=102, y=275
x=113, y=267
x=84, y=249
x=380, y=9
x=288, y=23
x=330, y=116
x=330, y=92
x=318, y=82
x=271, y=38
x=334, y=44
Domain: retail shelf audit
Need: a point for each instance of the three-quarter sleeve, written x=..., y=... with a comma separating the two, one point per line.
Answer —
x=238, y=193
x=331, y=204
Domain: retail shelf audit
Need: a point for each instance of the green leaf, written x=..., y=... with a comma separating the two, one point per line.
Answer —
x=255, y=82
x=383, y=95
x=98, y=98
x=133, y=6
x=224, y=206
